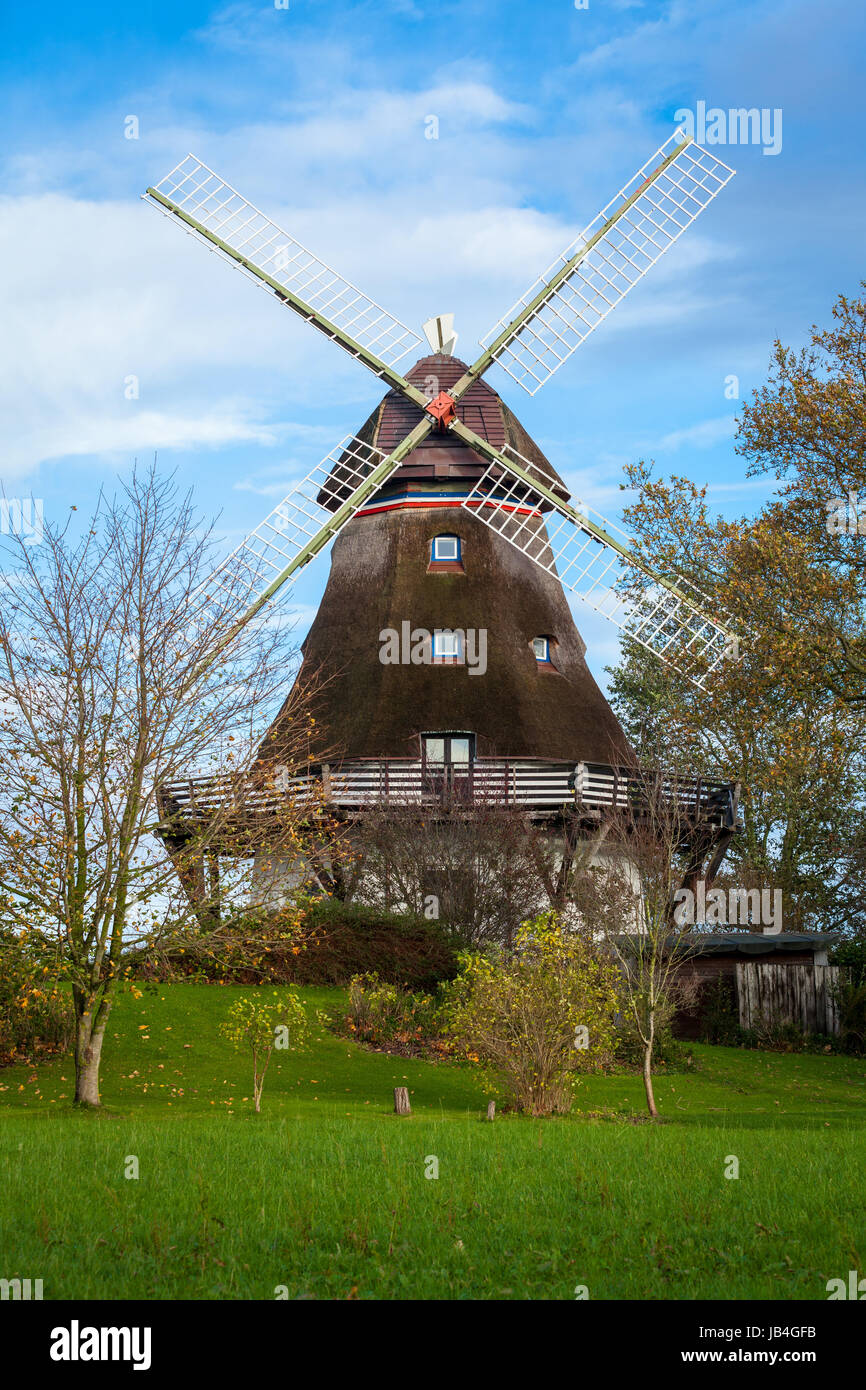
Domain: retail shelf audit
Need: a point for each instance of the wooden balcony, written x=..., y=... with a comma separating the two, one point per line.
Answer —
x=543, y=788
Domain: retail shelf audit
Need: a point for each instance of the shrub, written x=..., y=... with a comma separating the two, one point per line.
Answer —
x=35, y=1010
x=779, y=1035
x=312, y=942
x=669, y=1052
x=383, y=1015
x=719, y=1016
x=851, y=954
x=851, y=1005
x=538, y=1016
x=250, y=947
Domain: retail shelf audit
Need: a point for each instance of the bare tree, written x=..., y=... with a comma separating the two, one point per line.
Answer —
x=109, y=686
x=474, y=864
x=628, y=902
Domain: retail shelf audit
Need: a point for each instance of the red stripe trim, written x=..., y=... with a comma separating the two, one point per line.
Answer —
x=395, y=506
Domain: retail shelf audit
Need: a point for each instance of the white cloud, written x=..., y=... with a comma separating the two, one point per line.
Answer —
x=702, y=435
x=104, y=290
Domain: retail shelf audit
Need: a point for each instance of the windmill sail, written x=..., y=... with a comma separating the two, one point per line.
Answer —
x=669, y=620
x=611, y=255
x=278, y=262
x=296, y=530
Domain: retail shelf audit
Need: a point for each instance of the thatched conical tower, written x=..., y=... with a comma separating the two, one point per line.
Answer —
x=414, y=561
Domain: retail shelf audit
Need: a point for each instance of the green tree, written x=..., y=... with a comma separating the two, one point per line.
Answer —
x=536, y=1016
x=261, y=1025
x=787, y=718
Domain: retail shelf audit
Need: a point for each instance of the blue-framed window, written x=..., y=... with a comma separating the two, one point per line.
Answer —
x=447, y=645
x=445, y=548
x=541, y=648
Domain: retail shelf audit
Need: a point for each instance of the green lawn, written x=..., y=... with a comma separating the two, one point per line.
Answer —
x=325, y=1192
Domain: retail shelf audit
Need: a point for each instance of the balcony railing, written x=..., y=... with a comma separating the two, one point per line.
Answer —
x=536, y=785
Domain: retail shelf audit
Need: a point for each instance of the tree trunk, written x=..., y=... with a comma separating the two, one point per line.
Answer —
x=88, y=1053
x=648, y=1079
x=401, y=1101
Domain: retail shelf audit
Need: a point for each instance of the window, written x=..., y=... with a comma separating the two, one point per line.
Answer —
x=447, y=763
x=448, y=750
x=541, y=648
x=447, y=646
x=445, y=548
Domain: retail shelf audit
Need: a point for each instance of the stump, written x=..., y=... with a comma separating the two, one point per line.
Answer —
x=491, y=1110
x=401, y=1101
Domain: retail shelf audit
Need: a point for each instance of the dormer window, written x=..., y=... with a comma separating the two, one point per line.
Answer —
x=446, y=553
x=541, y=649
x=447, y=646
x=446, y=548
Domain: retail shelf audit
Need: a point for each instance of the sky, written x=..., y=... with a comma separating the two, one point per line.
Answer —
x=318, y=112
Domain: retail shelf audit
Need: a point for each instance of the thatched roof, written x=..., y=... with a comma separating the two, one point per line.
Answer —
x=440, y=455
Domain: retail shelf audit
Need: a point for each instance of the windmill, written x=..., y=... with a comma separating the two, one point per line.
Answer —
x=442, y=438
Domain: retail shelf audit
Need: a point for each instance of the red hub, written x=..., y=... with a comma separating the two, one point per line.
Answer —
x=443, y=408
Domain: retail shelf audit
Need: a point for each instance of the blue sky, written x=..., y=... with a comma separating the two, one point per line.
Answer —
x=317, y=113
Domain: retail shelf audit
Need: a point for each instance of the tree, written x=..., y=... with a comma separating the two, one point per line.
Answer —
x=474, y=864
x=800, y=763
x=537, y=1015
x=108, y=688
x=787, y=718
x=263, y=1024
x=804, y=573
x=627, y=903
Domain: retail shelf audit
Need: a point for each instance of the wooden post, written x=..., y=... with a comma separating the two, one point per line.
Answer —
x=491, y=1110
x=401, y=1101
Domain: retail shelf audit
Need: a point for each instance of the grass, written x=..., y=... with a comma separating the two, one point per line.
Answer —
x=325, y=1193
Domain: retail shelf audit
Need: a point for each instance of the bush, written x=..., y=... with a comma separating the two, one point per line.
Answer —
x=537, y=1017
x=851, y=1004
x=312, y=942
x=851, y=954
x=669, y=1052
x=35, y=1010
x=719, y=1015
x=383, y=1015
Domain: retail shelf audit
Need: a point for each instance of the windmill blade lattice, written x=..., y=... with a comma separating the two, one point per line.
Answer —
x=599, y=570
x=607, y=260
x=278, y=262
x=299, y=527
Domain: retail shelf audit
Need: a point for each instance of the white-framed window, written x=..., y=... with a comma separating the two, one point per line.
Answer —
x=447, y=646
x=448, y=750
x=541, y=648
x=445, y=548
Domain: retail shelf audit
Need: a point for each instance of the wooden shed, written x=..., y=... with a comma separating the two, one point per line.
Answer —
x=783, y=978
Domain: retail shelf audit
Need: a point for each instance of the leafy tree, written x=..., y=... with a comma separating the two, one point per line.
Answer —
x=787, y=718
x=535, y=1016
x=264, y=1024
x=803, y=576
